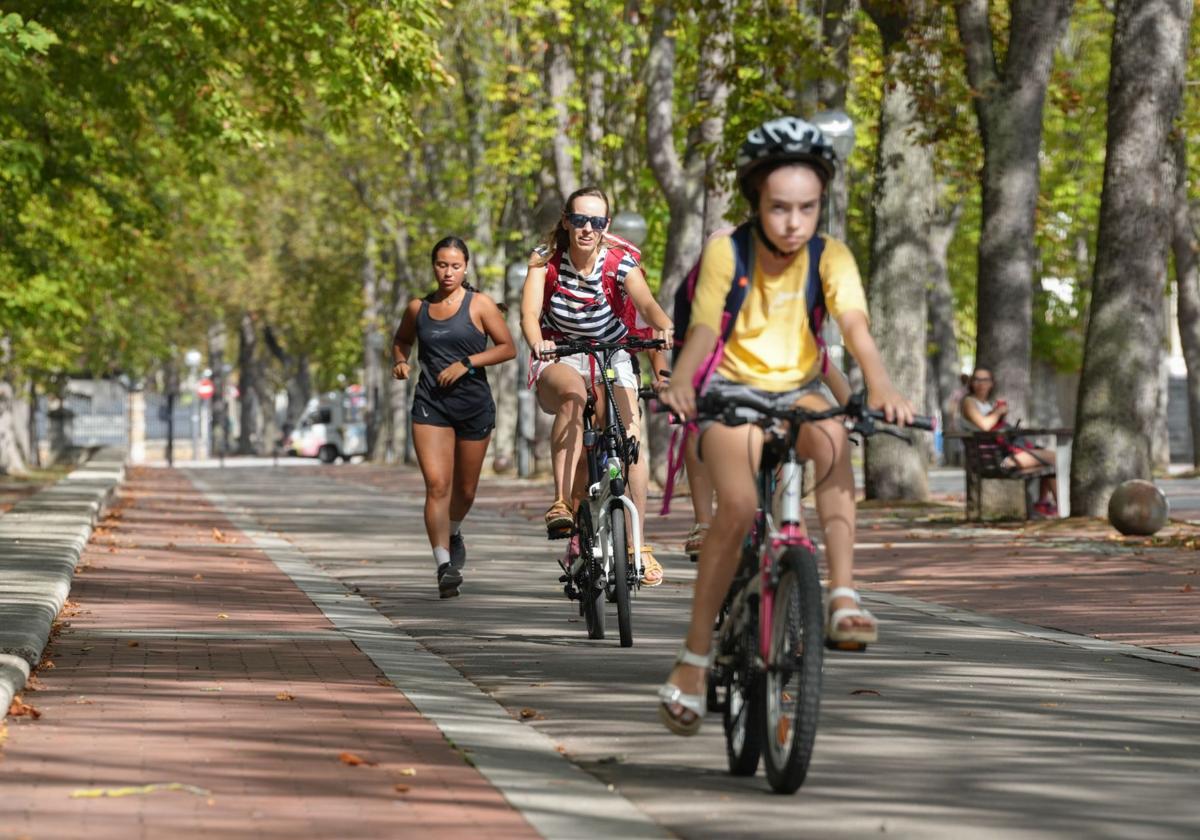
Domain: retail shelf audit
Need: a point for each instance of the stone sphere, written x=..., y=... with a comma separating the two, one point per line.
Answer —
x=1138, y=508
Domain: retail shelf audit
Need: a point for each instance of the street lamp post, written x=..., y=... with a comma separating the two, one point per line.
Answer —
x=838, y=129
x=514, y=278
x=629, y=226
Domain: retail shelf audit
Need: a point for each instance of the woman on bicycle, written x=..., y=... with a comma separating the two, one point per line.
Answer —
x=453, y=413
x=783, y=169
x=577, y=308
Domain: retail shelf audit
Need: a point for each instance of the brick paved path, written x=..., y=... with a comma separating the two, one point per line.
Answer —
x=188, y=658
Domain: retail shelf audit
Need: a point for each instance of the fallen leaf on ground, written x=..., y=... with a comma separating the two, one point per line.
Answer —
x=284, y=695
x=19, y=708
x=1187, y=587
x=197, y=577
x=408, y=771
x=870, y=691
x=221, y=537
x=384, y=681
x=355, y=760
x=528, y=713
x=96, y=793
x=402, y=788
x=222, y=615
x=211, y=688
x=132, y=643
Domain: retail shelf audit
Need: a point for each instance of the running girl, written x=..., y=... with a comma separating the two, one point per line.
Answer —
x=453, y=413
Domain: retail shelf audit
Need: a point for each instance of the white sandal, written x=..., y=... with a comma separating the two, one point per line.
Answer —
x=855, y=637
x=670, y=694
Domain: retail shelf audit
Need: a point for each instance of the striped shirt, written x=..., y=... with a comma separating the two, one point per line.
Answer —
x=579, y=307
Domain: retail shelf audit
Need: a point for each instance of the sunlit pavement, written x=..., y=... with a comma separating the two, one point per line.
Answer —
x=969, y=719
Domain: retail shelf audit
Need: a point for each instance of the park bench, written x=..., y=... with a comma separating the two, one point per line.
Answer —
x=984, y=454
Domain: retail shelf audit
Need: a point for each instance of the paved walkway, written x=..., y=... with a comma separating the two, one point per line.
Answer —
x=188, y=660
x=267, y=648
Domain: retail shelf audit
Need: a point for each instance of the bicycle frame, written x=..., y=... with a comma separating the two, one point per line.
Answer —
x=783, y=528
x=608, y=481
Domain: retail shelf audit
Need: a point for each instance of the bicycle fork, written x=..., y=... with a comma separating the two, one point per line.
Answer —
x=785, y=529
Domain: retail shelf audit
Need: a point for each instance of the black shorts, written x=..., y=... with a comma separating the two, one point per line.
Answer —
x=475, y=423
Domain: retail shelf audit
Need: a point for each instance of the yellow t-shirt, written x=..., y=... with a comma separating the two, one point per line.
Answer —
x=771, y=346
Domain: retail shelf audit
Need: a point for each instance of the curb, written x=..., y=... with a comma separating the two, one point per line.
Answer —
x=41, y=541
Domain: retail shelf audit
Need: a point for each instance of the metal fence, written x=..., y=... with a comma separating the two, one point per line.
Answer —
x=99, y=414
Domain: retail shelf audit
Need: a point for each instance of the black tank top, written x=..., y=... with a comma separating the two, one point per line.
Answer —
x=441, y=344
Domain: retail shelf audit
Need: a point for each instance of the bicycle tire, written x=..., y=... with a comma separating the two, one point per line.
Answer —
x=591, y=597
x=791, y=697
x=742, y=713
x=620, y=574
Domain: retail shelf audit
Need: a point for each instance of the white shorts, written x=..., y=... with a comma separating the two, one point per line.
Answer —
x=585, y=366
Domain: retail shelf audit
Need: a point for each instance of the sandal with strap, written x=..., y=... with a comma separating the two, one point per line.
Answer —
x=652, y=570
x=559, y=520
x=695, y=540
x=855, y=637
x=693, y=705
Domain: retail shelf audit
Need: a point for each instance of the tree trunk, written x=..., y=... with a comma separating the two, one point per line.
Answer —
x=11, y=460
x=1186, y=248
x=250, y=412
x=373, y=344
x=1119, y=384
x=218, y=439
x=900, y=263
x=560, y=84
x=939, y=298
x=1009, y=103
x=686, y=179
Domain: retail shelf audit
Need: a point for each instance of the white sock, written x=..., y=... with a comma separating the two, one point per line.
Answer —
x=441, y=556
x=455, y=524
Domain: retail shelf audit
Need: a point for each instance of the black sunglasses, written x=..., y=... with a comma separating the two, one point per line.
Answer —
x=580, y=221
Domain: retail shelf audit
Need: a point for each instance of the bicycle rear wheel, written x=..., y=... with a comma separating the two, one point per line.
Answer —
x=792, y=684
x=620, y=574
x=591, y=595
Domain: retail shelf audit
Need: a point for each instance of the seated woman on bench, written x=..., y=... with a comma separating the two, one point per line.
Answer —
x=982, y=412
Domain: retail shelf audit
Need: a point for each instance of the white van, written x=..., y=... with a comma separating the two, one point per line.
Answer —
x=330, y=428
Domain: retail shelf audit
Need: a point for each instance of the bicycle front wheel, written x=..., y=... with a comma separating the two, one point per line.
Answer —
x=792, y=686
x=620, y=573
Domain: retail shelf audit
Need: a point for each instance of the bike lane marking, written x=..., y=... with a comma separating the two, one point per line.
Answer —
x=558, y=798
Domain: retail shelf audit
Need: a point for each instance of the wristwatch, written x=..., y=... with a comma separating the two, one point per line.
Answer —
x=466, y=362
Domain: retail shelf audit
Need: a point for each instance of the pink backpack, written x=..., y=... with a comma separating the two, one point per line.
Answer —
x=618, y=300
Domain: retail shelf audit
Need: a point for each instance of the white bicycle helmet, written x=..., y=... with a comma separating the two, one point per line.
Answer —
x=779, y=142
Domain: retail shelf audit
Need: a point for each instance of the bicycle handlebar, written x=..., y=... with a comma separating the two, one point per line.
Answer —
x=575, y=346
x=712, y=407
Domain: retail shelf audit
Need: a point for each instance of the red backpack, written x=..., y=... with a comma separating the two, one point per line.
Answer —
x=619, y=301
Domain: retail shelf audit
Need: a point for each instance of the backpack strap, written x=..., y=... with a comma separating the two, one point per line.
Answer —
x=743, y=275
x=814, y=297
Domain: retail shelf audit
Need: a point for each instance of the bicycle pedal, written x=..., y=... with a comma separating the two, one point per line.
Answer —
x=563, y=578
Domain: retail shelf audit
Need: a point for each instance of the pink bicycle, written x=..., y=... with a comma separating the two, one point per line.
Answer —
x=766, y=674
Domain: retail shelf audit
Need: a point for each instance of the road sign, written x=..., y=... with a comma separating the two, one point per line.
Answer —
x=204, y=389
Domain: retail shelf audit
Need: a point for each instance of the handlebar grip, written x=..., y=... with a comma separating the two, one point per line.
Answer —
x=919, y=421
